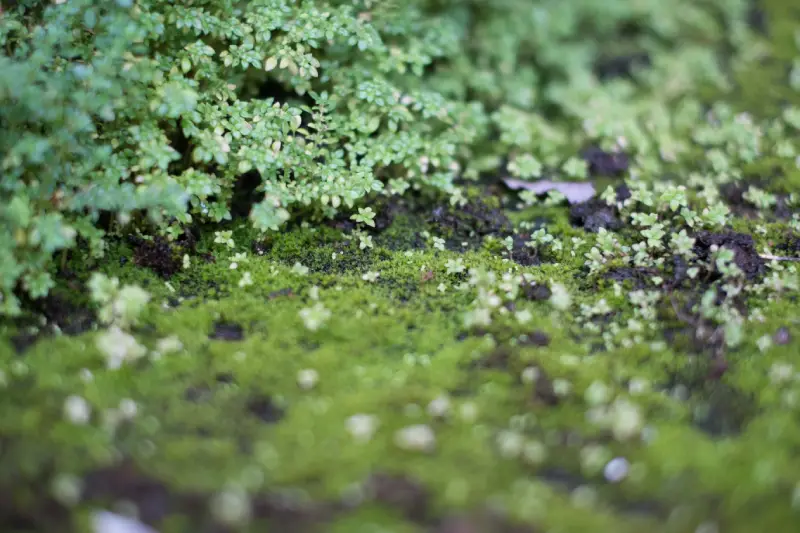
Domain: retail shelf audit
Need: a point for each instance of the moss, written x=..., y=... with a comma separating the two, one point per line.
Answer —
x=718, y=425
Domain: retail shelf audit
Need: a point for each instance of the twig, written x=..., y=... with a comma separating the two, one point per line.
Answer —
x=778, y=257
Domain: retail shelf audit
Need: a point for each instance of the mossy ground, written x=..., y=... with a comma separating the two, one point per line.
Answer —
x=226, y=410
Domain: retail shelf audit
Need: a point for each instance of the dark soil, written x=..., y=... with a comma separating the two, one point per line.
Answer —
x=543, y=392
x=62, y=314
x=605, y=164
x=401, y=493
x=621, y=66
x=481, y=523
x=536, y=338
x=593, y=215
x=745, y=255
x=265, y=409
x=227, y=332
x=634, y=277
x=158, y=255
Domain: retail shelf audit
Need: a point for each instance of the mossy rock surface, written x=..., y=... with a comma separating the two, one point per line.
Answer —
x=248, y=425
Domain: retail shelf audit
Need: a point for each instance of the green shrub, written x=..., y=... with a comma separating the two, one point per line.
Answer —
x=153, y=110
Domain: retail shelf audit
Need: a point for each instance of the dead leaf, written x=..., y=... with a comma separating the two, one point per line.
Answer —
x=575, y=191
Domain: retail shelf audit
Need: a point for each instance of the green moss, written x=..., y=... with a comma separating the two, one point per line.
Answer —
x=717, y=431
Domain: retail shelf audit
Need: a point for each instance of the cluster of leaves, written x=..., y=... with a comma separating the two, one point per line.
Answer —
x=154, y=110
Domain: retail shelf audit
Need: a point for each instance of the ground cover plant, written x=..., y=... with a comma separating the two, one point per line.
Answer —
x=443, y=266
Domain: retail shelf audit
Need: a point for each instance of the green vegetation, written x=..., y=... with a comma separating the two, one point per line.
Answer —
x=262, y=271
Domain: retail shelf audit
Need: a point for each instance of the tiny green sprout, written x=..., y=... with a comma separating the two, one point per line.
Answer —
x=791, y=115
x=654, y=235
x=300, y=269
x=759, y=197
x=642, y=196
x=609, y=196
x=724, y=261
x=644, y=219
x=689, y=217
x=315, y=317
x=370, y=277
x=575, y=167
x=528, y=198
x=607, y=242
x=523, y=316
x=365, y=215
x=560, y=297
x=554, y=198
x=525, y=166
x=595, y=259
x=674, y=198
x=682, y=244
x=715, y=215
x=785, y=149
x=224, y=237
x=246, y=280
x=539, y=237
x=764, y=343
x=719, y=161
x=398, y=186
x=455, y=266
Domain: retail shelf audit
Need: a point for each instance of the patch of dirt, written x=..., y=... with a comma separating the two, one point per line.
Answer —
x=593, y=215
x=282, y=293
x=224, y=331
x=535, y=291
x=402, y=493
x=27, y=507
x=158, y=255
x=745, y=255
x=724, y=411
x=605, y=164
x=483, y=522
x=499, y=359
x=620, y=66
x=522, y=254
x=62, y=315
x=155, y=502
x=757, y=19
x=124, y=481
x=470, y=224
x=536, y=338
x=265, y=409
x=636, y=277
x=561, y=478
x=543, y=391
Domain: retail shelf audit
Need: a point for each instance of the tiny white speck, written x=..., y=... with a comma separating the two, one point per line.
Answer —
x=231, y=507
x=67, y=488
x=439, y=407
x=77, y=410
x=418, y=437
x=128, y=408
x=307, y=379
x=616, y=470
x=361, y=427
x=530, y=374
